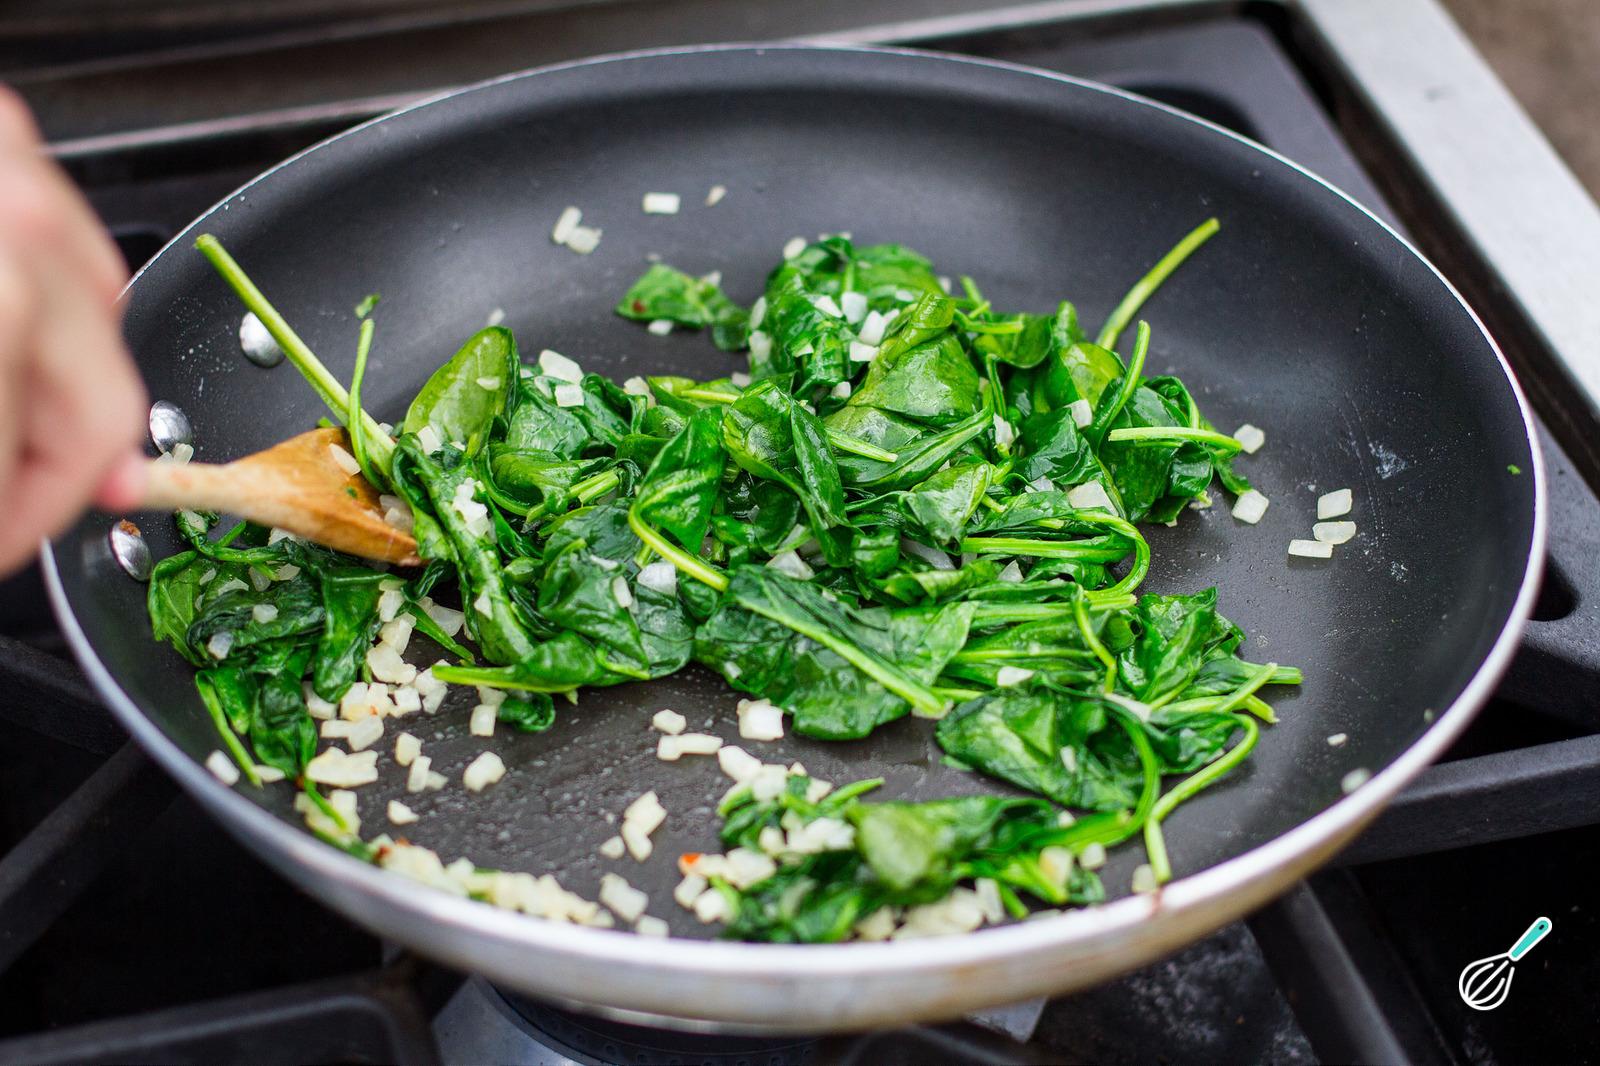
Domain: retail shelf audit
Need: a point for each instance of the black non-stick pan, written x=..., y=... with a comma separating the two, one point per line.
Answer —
x=1305, y=316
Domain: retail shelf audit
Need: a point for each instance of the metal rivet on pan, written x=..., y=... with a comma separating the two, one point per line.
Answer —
x=256, y=343
x=169, y=426
x=130, y=551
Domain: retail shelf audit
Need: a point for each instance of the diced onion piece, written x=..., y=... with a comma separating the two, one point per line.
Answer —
x=746, y=867
x=714, y=197
x=861, y=352
x=737, y=763
x=788, y=562
x=828, y=306
x=1082, y=413
x=650, y=925
x=400, y=814
x=483, y=771
x=872, y=328
x=1333, y=532
x=621, y=592
x=390, y=605
x=669, y=721
x=740, y=379
x=1144, y=879
x=344, y=460
x=417, y=779
x=668, y=749
x=569, y=395
x=612, y=847
x=316, y=705
x=222, y=768
x=712, y=906
x=661, y=203
x=583, y=239
x=335, y=767
x=1004, y=434
x=1250, y=438
x=854, y=305
x=994, y=910
x=387, y=665
x=879, y=925
x=1335, y=504
x=365, y=733
x=565, y=224
x=490, y=383
x=264, y=613
x=220, y=644
x=1093, y=856
x=1012, y=675
x=1250, y=506
x=482, y=722
x=396, y=632
x=406, y=749
x=1337, y=740
x=1012, y=572
x=637, y=841
x=760, y=720
x=1310, y=549
x=555, y=365
x=660, y=327
x=1355, y=779
x=841, y=391
x=760, y=345
x=932, y=556
x=794, y=247
x=659, y=576
x=407, y=700
x=698, y=744
x=447, y=619
x=636, y=386
x=269, y=774
x=625, y=901
x=689, y=890
x=1089, y=496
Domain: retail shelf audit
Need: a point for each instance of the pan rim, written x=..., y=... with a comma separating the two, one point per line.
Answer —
x=1209, y=897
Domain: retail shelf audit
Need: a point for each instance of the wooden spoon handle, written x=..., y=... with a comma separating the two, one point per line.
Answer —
x=169, y=486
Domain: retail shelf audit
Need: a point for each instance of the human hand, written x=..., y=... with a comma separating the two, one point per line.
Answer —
x=72, y=407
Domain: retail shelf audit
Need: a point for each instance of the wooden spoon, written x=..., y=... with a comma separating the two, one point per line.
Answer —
x=297, y=486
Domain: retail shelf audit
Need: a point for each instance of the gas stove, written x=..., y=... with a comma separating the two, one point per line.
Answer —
x=134, y=929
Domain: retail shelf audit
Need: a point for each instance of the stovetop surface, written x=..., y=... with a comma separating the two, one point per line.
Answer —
x=180, y=916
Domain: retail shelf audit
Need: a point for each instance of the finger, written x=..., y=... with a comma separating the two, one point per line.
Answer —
x=16, y=121
x=122, y=489
x=42, y=213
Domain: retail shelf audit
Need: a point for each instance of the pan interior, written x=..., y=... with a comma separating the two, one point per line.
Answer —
x=1302, y=316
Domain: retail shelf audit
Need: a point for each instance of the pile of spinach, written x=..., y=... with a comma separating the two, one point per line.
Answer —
x=912, y=503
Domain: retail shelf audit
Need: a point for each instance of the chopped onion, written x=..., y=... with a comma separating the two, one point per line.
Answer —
x=794, y=247
x=714, y=197
x=879, y=925
x=861, y=352
x=1004, y=434
x=400, y=814
x=760, y=720
x=790, y=563
x=612, y=848
x=365, y=733
x=854, y=305
x=637, y=841
x=483, y=771
x=660, y=327
x=828, y=306
x=1144, y=879
x=220, y=644
x=1250, y=506
x=222, y=768
x=660, y=577
x=668, y=749
x=555, y=365
x=490, y=383
x=1333, y=532
x=872, y=328
x=263, y=613
x=840, y=391
x=1250, y=438
x=335, y=767
x=661, y=203
x=417, y=779
x=1012, y=675
x=712, y=906
x=689, y=890
x=565, y=224
x=344, y=460
x=406, y=749
x=636, y=386
x=1335, y=504
x=569, y=395
x=1089, y=496
x=387, y=666
x=932, y=556
x=583, y=239
x=1337, y=740
x=1093, y=856
x=481, y=724
x=1355, y=779
x=625, y=901
x=760, y=346
x=669, y=721
x=737, y=763
x=1310, y=549
x=621, y=592
x=1082, y=413
x=1012, y=572
x=650, y=925
x=698, y=744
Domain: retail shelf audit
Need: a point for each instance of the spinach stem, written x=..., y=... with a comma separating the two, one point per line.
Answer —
x=1147, y=285
x=592, y=488
x=327, y=386
x=1188, y=787
x=357, y=430
x=230, y=739
x=688, y=564
x=1096, y=432
x=1080, y=612
x=1168, y=434
x=857, y=446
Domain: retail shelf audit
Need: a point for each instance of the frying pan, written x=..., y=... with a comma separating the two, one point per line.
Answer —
x=1305, y=316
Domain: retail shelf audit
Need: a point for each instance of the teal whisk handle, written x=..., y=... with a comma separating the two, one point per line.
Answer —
x=1536, y=932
